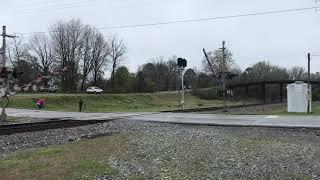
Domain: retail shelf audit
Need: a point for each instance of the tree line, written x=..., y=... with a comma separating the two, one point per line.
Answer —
x=258, y=72
x=88, y=56
x=81, y=49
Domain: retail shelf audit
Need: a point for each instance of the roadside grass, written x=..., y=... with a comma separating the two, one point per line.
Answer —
x=315, y=111
x=151, y=102
x=274, y=109
x=83, y=160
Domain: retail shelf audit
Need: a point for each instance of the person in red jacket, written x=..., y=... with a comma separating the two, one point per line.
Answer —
x=41, y=103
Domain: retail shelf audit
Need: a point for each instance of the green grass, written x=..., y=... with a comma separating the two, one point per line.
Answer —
x=275, y=109
x=111, y=102
x=82, y=160
x=315, y=111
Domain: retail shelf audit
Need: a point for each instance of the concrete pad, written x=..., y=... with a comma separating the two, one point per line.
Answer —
x=180, y=118
x=47, y=115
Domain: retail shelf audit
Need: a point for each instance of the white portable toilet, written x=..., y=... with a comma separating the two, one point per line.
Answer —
x=298, y=98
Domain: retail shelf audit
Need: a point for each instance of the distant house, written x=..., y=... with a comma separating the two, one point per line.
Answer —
x=35, y=88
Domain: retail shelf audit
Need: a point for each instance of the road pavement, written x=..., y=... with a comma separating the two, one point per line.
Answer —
x=233, y=120
x=49, y=115
x=181, y=118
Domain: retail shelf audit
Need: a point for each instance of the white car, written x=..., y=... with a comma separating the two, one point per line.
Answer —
x=94, y=90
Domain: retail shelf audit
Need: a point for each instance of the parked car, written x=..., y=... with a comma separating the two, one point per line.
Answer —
x=94, y=90
x=51, y=89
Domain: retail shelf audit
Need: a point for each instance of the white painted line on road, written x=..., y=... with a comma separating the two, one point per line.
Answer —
x=271, y=117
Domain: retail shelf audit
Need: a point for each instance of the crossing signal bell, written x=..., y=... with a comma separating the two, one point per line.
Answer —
x=182, y=62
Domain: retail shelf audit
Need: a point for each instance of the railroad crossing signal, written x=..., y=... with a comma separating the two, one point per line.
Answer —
x=182, y=62
x=4, y=70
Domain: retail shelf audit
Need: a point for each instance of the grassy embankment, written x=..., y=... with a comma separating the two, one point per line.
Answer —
x=274, y=109
x=81, y=160
x=111, y=102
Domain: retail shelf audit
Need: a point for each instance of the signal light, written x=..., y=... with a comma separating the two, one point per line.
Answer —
x=182, y=63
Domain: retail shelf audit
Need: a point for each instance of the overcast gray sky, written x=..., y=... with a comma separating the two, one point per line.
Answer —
x=283, y=39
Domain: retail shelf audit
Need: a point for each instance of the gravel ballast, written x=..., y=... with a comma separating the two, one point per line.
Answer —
x=159, y=151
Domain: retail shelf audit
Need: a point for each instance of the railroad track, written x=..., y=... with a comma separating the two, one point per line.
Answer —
x=67, y=123
x=41, y=126
x=219, y=108
x=56, y=123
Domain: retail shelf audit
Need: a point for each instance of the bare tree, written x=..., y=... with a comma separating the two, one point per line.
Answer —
x=101, y=51
x=18, y=52
x=41, y=48
x=173, y=74
x=296, y=73
x=265, y=71
x=67, y=49
x=21, y=60
x=87, y=59
x=161, y=72
x=118, y=50
x=216, y=59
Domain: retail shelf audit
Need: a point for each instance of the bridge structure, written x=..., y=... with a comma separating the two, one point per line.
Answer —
x=263, y=86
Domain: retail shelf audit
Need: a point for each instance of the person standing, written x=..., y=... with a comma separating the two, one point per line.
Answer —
x=80, y=104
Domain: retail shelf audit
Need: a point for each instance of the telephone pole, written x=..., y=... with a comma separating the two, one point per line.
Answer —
x=4, y=35
x=309, y=85
x=182, y=90
x=224, y=76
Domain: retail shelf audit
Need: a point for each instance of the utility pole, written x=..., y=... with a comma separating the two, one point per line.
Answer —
x=309, y=85
x=3, y=46
x=4, y=35
x=224, y=76
x=182, y=85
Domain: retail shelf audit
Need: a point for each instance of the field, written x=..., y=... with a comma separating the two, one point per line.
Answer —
x=111, y=102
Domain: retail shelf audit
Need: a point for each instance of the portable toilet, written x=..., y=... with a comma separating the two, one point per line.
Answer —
x=298, y=97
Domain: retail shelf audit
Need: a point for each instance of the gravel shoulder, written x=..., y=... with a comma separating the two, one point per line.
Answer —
x=160, y=151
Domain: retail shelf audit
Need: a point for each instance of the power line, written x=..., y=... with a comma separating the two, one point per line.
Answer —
x=56, y=6
x=198, y=20
x=33, y=3
x=30, y=3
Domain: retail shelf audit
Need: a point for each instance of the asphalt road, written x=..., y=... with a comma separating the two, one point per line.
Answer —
x=180, y=118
